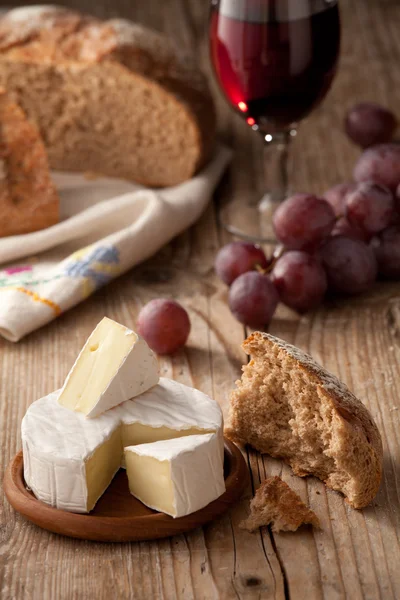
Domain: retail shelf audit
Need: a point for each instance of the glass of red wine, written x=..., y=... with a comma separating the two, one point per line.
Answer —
x=275, y=61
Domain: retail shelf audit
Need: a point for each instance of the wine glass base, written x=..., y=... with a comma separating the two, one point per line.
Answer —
x=251, y=222
x=248, y=237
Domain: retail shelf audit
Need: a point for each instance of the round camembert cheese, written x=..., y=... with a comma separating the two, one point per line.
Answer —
x=69, y=459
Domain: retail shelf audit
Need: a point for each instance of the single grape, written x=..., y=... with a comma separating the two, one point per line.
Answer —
x=303, y=221
x=164, y=325
x=300, y=280
x=380, y=164
x=387, y=251
x=253, y=299
x=370, y=207
x=368, y=124
x=343, y=227
x=336, y=197
x=237, y=258
x=350, y=265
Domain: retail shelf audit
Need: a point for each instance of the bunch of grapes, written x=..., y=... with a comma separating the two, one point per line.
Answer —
x=338, y=243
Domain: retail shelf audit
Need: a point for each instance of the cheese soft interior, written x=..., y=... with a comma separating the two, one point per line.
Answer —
x=114, y=365
x=178, y=476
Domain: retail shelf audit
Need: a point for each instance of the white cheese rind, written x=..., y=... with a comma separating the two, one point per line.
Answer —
x=138, y=373
x=57, y=441
x=167, y=405
x=196, y=471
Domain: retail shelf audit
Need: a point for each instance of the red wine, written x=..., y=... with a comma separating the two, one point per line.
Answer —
x=274, y=66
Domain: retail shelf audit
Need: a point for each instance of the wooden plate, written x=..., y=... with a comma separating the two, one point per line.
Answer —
x=118, y=516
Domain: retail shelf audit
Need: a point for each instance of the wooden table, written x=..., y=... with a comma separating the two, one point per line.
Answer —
x=357, y=553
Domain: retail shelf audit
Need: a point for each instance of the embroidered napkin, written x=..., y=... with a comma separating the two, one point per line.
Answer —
x=107, y=226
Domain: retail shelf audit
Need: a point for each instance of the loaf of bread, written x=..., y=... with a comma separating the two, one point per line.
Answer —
x=275, y=502
x=287, y=406
x=109, y=97
x=28, y=198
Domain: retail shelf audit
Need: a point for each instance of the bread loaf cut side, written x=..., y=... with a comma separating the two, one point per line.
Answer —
x=108, y=96
x=28, y=198
x=275, y=502
x=287, y=406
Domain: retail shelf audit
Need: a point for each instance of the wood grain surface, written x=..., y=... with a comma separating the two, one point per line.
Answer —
x=356, y=554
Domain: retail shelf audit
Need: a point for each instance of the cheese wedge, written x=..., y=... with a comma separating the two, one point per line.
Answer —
x=70, y=460
x=114, y=365
x=178, y=476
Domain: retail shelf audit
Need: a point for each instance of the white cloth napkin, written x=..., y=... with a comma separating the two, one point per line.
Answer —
x=107, y=226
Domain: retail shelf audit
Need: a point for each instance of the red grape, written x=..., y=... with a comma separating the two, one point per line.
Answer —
x=380, y=164
x=336, y=196
x=300, y=280
x=237, y=258
x=370, y=207
x=368, y=124
x=253, y=299
x=387, y=252
x=343, y=227
x=164, y=325
x=303, y=221
x=350, y=265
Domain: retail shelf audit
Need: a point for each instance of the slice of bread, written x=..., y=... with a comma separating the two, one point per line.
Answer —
x=275, y=502
x=28, y=198
x=110, y=97
x=287, y=406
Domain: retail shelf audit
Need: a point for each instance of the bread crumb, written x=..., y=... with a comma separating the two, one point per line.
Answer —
x=275, y=502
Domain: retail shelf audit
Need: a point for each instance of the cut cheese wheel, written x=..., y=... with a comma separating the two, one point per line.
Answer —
x=70, y=460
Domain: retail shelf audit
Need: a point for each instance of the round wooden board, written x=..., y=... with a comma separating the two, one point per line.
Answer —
x=118, y=516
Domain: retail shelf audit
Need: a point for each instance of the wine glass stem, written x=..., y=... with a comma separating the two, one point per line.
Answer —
x=276, y=158
x=276, y=161
x=283, y=148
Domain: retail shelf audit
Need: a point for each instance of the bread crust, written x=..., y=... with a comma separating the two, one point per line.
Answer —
x=354, y=447
x=28, y=198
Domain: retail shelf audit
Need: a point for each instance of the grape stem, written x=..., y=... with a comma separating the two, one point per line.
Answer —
x=276, y=255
